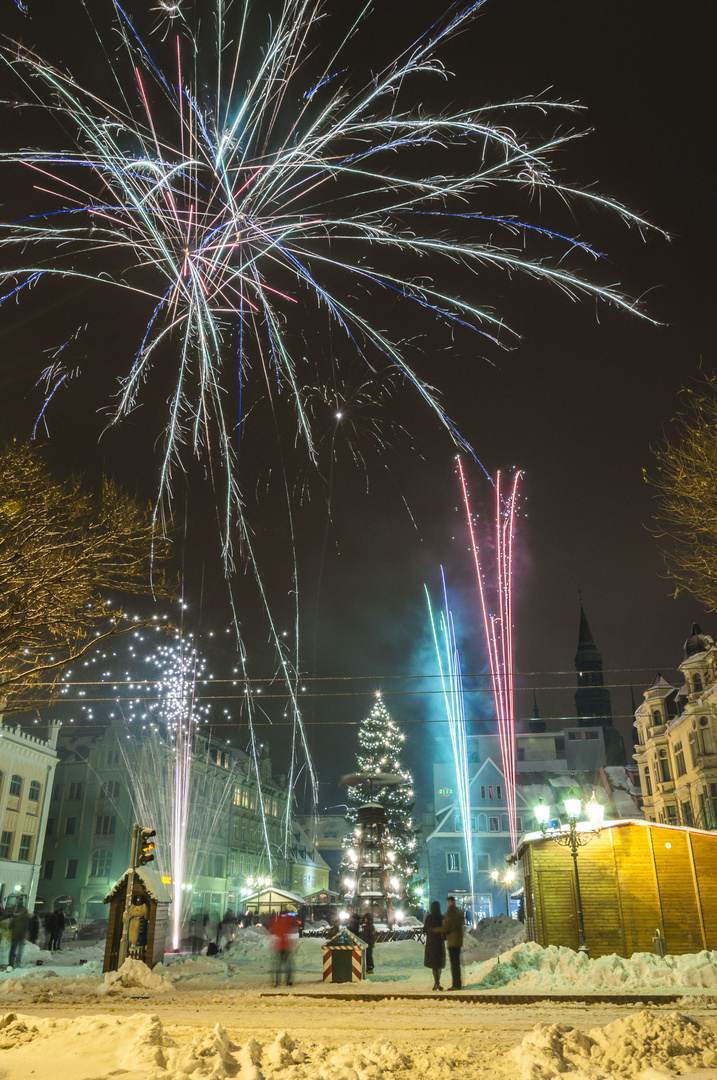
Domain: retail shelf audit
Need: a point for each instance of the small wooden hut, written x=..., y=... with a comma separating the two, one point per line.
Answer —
x=636, y=877
x=149, y=884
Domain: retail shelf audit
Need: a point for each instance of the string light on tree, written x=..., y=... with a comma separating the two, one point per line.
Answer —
x=381, y=745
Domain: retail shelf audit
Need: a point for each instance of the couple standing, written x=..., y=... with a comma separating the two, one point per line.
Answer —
x=444, y=931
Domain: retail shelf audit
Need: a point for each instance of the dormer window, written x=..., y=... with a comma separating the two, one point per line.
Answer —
x=697, y=684
x=657, y=717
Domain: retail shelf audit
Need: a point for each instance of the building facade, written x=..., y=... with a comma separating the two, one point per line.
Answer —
x=676, y=751
x=548, y=765
x=27, y=768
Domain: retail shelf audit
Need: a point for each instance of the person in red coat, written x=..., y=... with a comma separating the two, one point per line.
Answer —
x=284, y=930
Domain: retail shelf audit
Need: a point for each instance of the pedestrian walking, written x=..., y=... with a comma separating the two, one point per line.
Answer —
x=284, y=930
x=5, y=936
x=453, y=931
x=33, y=929
x=60, y=929
x=434, y=951
x=368, y=935
x=18, y=934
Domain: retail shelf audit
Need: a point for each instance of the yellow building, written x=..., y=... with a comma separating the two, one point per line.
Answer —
x=635, y=878
x=27, y=769
x=676, y=750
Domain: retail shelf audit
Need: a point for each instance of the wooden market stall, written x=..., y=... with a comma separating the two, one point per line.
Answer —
x=636, y=877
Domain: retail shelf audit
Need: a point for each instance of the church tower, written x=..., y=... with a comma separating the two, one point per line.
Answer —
x=592, y=698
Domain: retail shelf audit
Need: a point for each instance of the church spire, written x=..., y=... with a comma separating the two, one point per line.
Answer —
x=592, y=698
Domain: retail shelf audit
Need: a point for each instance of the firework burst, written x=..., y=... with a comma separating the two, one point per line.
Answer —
x=230, y=195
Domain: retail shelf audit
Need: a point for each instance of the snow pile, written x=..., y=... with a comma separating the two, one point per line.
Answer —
x=555, y=969
x=492, y=937
x=133, y=974
x=642, y=1045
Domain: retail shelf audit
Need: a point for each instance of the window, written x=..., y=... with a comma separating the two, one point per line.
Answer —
x=101, y=863
x=519, y=824
x=498, y=795
x=482, y=792
x=243, y=829
x=23, y=854
x=494, y=824
x=110, y=790
x=232, y=863
x=687, y=815
x=113, y=757
x=71, y=868
x=237, y=796
x=664, y=764
x=706, y=736
x=218, y=866
x=648, y=782
x=16, y=786
x=575, y=736
x=5, y=844
x=656, y=718
x=671, y=815
x=482, y=823
x=453, y=862
x=490, y=792
x=34, y=792
x=75, y=792
x=56, y=790
x=70, y=823
x=504, y=825
x=49, y=869
x=592, y=735
x=105, y=825
x=697, y=683
x=680, y=759
x=50, y=828
x=560, y=747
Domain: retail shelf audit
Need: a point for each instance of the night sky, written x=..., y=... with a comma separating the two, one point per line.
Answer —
x=576, y=405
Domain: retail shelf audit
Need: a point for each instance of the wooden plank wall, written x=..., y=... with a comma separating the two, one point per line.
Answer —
x=638, y=889
x=633, y=880
x=704, y=859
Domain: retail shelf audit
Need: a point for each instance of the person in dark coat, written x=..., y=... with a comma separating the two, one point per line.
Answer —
x=354, y=923
x=368, y=935
x=52, y=926
x=453, y=930
x=33, y=929
x=434, y=952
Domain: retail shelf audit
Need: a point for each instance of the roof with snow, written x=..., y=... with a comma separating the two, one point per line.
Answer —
x=152, y=885
x=585, y=826
x=344, y=939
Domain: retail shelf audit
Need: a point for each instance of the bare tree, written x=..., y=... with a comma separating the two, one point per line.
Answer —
x=62, y=550
x=685, y=485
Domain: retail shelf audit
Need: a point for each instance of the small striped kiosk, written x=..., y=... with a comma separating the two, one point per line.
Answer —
x=344, y=959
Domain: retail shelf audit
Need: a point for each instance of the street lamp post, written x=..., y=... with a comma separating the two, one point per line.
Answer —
x=574, y=840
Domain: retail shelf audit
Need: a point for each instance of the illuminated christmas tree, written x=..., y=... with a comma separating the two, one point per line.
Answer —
x=381, y=746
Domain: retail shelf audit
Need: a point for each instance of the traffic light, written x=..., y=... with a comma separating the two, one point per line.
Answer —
x=146, y=846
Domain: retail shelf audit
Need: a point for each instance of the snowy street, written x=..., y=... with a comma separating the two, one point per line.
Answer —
x=294, y=1038
x=220, y=1017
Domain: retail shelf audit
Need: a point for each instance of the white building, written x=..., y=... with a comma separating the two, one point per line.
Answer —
x=27, y=770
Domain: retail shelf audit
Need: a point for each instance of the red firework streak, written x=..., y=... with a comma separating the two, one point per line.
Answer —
x=499, y=630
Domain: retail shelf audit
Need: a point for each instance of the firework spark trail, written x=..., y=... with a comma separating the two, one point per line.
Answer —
x=161, y=715
x=238, y=203
x=498, y=629
x=452, y=685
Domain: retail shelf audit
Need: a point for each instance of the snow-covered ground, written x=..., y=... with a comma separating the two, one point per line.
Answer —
x=205, y=1016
